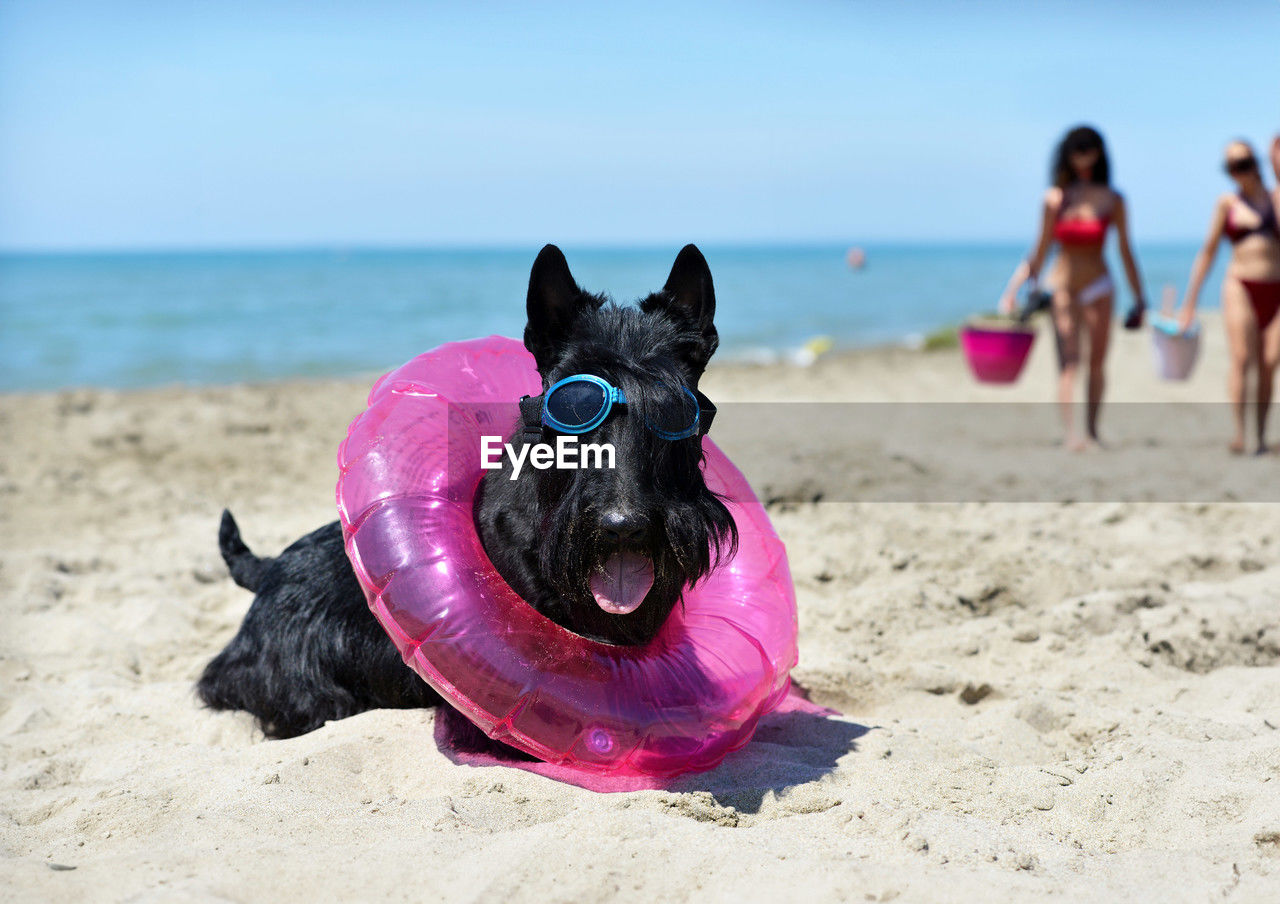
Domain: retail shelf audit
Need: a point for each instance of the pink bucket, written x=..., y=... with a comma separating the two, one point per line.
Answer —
x=996, y=355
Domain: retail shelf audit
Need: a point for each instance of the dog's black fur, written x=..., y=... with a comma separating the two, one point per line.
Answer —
x=309, y=649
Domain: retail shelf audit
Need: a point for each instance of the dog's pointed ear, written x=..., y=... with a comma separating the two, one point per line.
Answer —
x=690, y=296
x=553, y=302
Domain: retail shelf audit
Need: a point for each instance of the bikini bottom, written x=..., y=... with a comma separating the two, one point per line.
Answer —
x=1264, y=298
x=1098, y=289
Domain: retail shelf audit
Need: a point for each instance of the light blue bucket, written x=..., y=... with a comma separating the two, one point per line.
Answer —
x=1176, y=352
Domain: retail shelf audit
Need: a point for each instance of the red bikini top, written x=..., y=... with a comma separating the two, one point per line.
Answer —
x=1080, y=230
x=1083, y=231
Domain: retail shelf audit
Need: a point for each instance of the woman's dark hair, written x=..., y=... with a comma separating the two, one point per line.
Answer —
x=1081, y=138
x=1248, y=146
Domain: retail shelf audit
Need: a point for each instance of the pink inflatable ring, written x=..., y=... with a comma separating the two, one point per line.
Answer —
x=409, y=469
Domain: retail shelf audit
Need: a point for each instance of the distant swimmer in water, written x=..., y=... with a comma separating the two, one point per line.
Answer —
x=856, y=258
x=1078, y=209
x=1251, y=286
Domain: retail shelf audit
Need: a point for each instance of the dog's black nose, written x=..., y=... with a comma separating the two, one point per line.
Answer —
x=623, y=527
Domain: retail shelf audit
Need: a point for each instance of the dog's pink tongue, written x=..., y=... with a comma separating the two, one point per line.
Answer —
x=621, y=587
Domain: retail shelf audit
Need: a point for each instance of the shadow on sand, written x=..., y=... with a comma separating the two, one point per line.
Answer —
x=790, y=748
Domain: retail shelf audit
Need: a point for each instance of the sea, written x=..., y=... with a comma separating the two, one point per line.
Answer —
x=136, y=319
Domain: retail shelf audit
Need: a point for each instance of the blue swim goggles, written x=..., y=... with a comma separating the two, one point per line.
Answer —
x=580, y=403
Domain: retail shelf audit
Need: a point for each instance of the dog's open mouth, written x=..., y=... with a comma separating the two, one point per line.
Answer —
x=622, y=582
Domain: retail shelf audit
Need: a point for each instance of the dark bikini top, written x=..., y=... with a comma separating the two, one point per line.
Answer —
x=1236, y=234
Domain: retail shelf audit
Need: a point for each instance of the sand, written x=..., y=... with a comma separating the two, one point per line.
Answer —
x=1043, y=700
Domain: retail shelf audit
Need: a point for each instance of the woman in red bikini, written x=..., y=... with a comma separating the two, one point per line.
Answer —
x=1078, y=209
x=1251, y=288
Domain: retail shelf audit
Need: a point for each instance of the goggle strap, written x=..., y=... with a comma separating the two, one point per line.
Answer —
x=531, y=417
x=706, y=412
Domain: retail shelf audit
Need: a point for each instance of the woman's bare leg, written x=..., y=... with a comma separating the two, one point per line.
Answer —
x=1066, y=328
x=1242, y=345
x=1268, y=362
x=1097, y=321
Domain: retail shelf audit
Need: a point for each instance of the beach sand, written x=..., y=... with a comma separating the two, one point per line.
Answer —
x=1076, y=700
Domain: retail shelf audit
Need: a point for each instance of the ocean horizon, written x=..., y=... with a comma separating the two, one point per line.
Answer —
x=128, y=319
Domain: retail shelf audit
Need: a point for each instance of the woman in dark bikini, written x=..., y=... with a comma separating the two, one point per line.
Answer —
x=1078, y=209
x=1251, y=288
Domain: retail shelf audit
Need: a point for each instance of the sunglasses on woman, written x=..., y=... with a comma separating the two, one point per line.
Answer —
x=581, y=403
x=1241, y=166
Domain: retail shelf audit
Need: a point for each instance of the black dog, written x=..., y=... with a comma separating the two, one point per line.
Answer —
x=580, y=546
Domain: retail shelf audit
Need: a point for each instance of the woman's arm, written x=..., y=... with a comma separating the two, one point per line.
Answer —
x=1131, y=273
x=1030, y=268
x=1275, y=168
x=1204, y=260
x=1009, y=297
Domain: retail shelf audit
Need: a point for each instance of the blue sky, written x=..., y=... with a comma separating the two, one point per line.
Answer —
x=148, y=125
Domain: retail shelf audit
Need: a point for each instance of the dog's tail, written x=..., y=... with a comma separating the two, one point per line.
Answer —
x=246, y=568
